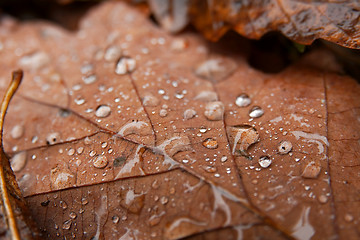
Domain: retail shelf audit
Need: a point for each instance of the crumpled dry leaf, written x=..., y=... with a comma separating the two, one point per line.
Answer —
x=16, y=222
x=301, y=21
x=125, y=139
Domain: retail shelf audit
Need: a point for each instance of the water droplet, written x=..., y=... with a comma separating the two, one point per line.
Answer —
x=311, y=170
x=265, y=161
x=161, y=91
x=155, y=184
x=150, y=100
x=243, y=100
x=71, y=151
x=80, y=150
x=103, y=111
x=35, y=60
x=210, y=169
x=125, y=65
x=63, y=205
x=164, y=200
x=172, y=190
x=185, y=161
x=53, y=138
x=323, y=199
x=207, y=96
x=256, y=112
x=215, y=69
x=113, y=53
x=79, y=101
x=61, y=178
x=84, y=201
x=203, y=129
x=67, y=224
x=241, y=138
x=89, y=79
x=87, y=68
x=348, y=217
x=284, y=147
x=92, y=153
x=214, y=111
x=163, y=113
x=224, y=158
x=104, y=145
x=210, y=143
x=189, y=113
x=18, y=161
x=17, y=131
x=179, y=95
x=72, y=215
x=115, y=219
x=100, y=161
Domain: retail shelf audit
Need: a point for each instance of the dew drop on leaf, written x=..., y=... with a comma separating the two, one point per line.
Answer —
x=243, y=100
x=149, y=100
x=52, y=138
x=113, y=53
x=214, y=111
x=241, y=137
x=284, y=147
x=125, y=65
x=103, y=111
x=189, y=113
x=89, y=79
x=115, y=219
x=256, y=112
x=264, y=161
x=100, y=161
x=18, y=161
x=66, y=225
x=311, y=170
x=17, y=131
x=210, y=143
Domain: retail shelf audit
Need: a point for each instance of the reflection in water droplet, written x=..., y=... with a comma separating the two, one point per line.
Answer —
x=284, y=147
x=210, y=143
x=189, y=113
x=241, y=137
x=265, y=161
x=311, y=170
x=125, y=65
x=103, y=111
x=243, y=100
x=18, y=161
x=214, y=111
x=256, y=112
x=100, y=161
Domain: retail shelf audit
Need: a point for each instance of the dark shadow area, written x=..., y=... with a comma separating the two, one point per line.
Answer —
x=66, y=15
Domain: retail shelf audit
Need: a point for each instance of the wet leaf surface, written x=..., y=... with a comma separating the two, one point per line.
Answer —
x=122, y=131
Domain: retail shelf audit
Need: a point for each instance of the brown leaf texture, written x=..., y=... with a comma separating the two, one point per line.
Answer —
x=122, y=131
x=16, y=222
x=301, y=21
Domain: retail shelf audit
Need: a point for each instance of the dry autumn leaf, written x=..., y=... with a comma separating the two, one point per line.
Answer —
x=301, y=21
x=121, y=131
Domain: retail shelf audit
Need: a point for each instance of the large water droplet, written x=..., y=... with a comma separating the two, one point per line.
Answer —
x=265, y=161
x=241, y=137
x=311, y=170
x=18, y=161
x=103, y=111
x=125, y=65
x=17, y=131
x=256, y=112
x=210, y=143
x=284, y=147
x=189, y=113
x=100, y=161
x=113, y=53
x=150, y=100
x=67, y=224
x=215, y=69
x=243, y=100
x=214, y=111
x=89, y=79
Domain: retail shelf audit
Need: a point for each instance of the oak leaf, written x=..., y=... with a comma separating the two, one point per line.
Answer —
x=121, y=130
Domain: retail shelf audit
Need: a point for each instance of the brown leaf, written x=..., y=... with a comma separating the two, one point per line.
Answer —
x=125, y=139
x=16, y=221
x=301, y=21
